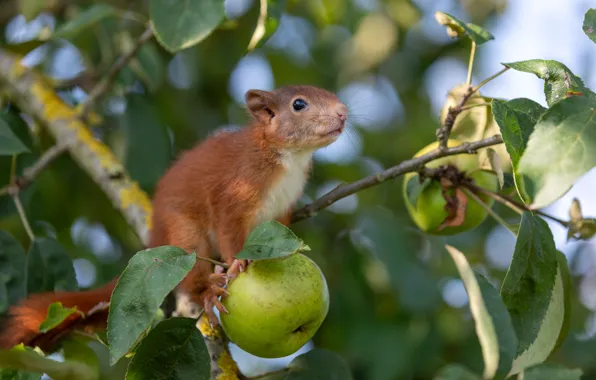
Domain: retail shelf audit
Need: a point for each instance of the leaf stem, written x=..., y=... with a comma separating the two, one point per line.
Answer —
x=260, y=28
x=214, y=262
x=485, y=104
x=23, y=216
x=488, y=209
x=13, y=168
x=13, y=190
x=476, y=88
x=471, y=63
x=514, y=205
x=30, y=173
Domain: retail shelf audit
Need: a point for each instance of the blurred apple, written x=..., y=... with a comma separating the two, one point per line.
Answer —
x=429, y=212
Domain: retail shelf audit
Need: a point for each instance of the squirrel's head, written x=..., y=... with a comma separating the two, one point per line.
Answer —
x=298, y=117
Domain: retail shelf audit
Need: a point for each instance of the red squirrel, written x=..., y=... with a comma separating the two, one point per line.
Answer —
x=209, y=200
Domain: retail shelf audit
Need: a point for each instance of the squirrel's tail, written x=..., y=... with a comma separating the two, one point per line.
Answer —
x=21, y=325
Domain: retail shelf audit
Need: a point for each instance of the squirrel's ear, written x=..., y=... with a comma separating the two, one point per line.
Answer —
x=261, y=105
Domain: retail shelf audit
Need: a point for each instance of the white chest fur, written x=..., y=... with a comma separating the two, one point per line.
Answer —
x=286, y=190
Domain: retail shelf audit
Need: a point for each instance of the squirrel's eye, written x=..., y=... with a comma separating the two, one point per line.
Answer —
x=299, y=104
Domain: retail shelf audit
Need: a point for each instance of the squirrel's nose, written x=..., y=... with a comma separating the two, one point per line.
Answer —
x=342, y=111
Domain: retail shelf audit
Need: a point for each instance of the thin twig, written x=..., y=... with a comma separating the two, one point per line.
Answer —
x=23, y=216
x=444, y=131
x=407, y=166
x=488, y=209
x=104, y=85
x=13, y=190
x=485, y=104
x=30, y=173
x=471, y=63
x=214, y=262
x=513, y=204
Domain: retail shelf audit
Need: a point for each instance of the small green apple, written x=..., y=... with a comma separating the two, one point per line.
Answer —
x=276, y=305
x=430, y=212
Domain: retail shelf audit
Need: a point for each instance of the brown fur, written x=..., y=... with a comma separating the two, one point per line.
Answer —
x=208, y=202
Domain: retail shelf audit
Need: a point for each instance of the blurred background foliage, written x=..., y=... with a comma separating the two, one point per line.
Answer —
x=398, y=309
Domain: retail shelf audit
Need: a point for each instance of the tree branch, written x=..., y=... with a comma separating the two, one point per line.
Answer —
x=412, y=165
x=104, y=85
x=33, y=95
x=444, y=132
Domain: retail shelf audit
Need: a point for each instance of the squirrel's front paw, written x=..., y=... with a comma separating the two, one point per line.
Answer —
x=210, y=296
x=236, y=267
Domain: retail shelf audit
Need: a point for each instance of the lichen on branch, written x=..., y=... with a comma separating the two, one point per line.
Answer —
x=33, y=95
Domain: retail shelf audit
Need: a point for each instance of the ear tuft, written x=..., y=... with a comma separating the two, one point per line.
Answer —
x=260, y=104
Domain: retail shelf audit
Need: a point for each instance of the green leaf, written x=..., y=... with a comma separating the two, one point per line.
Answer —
x=589, y=26
x=411, y=281
x=149, y=276
x=179, y=24
x=533, y=292
x=147, y=149
x=56, y=315
x=516, y=119
x=49, y=267
x=18, y=126
x=493, y=323
x=271, y=240
x=318, y=364
x=458, y=28
x=561, y=149
x=551, y=371
x=456, y=372
x=13, y=261
x=186, y=355
x=9, y=142
x=559, y=81
x=86, y=19
x=268, y=22
x=23, y=358
x=414, y=188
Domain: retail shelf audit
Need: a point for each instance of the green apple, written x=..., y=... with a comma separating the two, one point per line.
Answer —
x=276, y=305
x=429, y=211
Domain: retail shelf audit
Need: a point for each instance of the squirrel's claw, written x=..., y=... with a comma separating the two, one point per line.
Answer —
x=235, y=269
x=208, y=307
